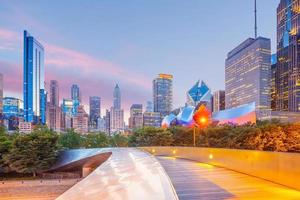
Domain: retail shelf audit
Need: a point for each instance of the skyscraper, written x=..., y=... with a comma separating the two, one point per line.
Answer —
x=163, y=94
x=117, y=97
x=152, y=119
x=80, y=121
x=287, y=83
x=34, y=88
x=107, y=122
x=219, y=101
x=53, y=108
x=75, y=93
x=1, y=93
x=136, y=116
x=149, y=107
x=247, y=75
x=54, y=93
x=95, y=110
x=116, y=113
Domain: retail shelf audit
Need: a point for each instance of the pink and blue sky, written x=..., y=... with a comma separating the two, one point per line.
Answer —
x=97, y=44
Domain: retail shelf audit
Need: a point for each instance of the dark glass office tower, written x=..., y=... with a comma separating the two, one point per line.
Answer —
x=34, y=86
x=287, y=84
x=95, y=110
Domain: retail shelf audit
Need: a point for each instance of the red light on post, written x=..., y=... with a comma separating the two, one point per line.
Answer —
x=202, y=117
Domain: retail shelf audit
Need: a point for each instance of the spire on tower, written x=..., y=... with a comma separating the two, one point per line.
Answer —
x=255, y=16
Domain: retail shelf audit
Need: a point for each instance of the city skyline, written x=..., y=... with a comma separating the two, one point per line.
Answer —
x=132, y=62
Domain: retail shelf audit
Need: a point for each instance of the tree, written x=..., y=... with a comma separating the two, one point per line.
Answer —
x=5, y=146
x=70, y=140
x=151, y=136
x=94, y=140
x=119, y=140
x=33, y=153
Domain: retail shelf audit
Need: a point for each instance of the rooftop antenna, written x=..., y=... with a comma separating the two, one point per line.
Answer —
x=255, y=16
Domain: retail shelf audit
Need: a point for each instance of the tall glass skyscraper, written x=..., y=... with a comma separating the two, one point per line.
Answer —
x=163, y=94
x=95, y=110
x=247, y=75
x=287, y=76
x=75, y=93
x=33, y=85
x=117, y=97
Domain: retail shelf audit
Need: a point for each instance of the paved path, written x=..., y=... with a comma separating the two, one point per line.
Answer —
x=194, y=180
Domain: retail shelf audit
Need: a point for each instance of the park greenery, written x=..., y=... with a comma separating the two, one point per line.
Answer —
x=37, y=151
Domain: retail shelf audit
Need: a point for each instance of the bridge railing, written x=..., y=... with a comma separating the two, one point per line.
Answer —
x=278, y=167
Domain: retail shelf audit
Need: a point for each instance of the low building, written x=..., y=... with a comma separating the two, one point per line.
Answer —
x=136, y=116
x=152, y=119
x=81, y=121
x=25, y=127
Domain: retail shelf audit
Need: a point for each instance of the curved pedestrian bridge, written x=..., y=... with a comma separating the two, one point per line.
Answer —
x=129, y=173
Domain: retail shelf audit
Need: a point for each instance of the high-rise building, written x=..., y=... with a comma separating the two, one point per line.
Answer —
x=247, y=75
x=107, y=122
x=219, y=100
x=75, y=92
x=80, y=121
x=1, y=93
x=11, y=107
x=34, y=86
x=54, y=111
x=117, y=97
x=273, y=91
x=136, y=116
x=152, y=119
x=116, y=113
x=116, y=120
x=199, y=94
x=163, y=94
x=149, y=107
x=287, y=82
x=54, y=93
x=95, y=110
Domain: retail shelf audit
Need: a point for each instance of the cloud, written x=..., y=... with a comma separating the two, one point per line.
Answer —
x=95, y=76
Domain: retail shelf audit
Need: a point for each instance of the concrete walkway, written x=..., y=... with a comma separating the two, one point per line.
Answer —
x=194, y=180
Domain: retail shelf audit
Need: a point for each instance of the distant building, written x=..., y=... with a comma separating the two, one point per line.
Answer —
x=149, y=107
x=34, y=88
x=136, y=116
x=1, y=93
x=54, y=111
x=75, y=93
x=273, y=90
x=152, y=119
x=163, y=94
x=116, y=120
x=287, y=82
x=101, y=125
x=219, y=101
x=107, y=122
x=25, y=127
x=199, y=94
x=12, y=112
x=247, y=75
x=80, y=121
x=95, y=110
x=116, y=113
x=117, y=97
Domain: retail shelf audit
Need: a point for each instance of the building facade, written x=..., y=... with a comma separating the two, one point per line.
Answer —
x=117, y=97
x=163, y=94
x=54, y=111
x=33, y=81
x=80, y=121
x=136, y=116
x=116, y=120
x=247, y=75
x=95, y=110
x=152, y=119
x=287, y=82
x=219, y=100
x=199, y=94
x=1, y=93
x=75, y=93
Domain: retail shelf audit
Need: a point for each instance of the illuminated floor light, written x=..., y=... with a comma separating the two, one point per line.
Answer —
x=211, y=156
x=153, y=150
x=174, y=151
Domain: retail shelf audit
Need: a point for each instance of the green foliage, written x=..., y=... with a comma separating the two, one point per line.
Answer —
x=70, y=140
x=5, y=146
x=34, y=152
x=95, y=140
x=119, y=140
x=151, y=136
